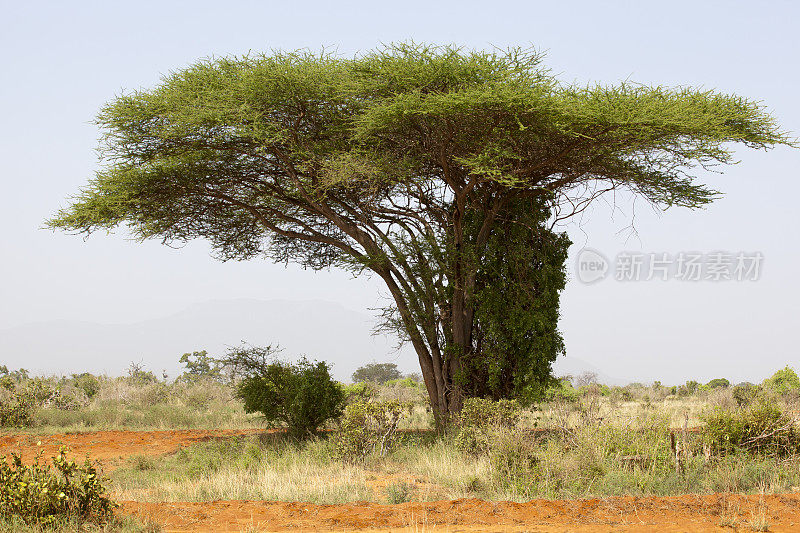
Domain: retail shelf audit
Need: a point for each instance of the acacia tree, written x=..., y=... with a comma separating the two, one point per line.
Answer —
x=413, y=163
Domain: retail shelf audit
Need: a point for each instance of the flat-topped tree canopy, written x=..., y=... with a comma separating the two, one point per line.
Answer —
x=404, y=161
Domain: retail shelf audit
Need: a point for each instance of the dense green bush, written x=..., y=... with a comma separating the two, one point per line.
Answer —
x=376, y=373
x=407, y=382
x=480, y=418
x=137, y=375
x=10, y=378
x=301, y=397
x=761, y=428
x=718, y=383
x=17, y=409
x=359, y=392
x=514, y=460
x=40, y=495
x=86, y=382
x=561, y=390
x=370, y=427
x=745, y=394
x=783, y=381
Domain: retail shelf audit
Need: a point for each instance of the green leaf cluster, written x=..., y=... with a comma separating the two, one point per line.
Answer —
x=42, y=495
x=300, y=397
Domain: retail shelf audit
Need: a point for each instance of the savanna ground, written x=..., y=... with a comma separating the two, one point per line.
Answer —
x=184, y=456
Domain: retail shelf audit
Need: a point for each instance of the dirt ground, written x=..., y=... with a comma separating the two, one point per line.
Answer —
x=716, y=512
x=112, y=447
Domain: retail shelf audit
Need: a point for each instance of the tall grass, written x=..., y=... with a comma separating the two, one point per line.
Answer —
x=247, y=468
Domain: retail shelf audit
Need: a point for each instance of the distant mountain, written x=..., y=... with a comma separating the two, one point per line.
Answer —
x=318, y=329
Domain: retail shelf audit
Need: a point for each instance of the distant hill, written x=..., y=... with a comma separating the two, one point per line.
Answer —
x=316, y=328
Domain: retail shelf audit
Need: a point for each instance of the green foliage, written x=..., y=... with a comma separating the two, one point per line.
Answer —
x=376, y=373
x=692, y=387
x=399, y=492
x=761, y=428
x=561, y=390
x=138, y=376
x=718, y=383
x=355, y=162
x=514, y=459
x=480, y=418
x=407, y=382
x=783, y=381
x=200, y=366
x=86, y=382
x=370, y=427
x=43, y=495
x=521, y=275
x=17, y=408
x=359, y=392
x=10, y=378
x=301, y=397
x=745, y=393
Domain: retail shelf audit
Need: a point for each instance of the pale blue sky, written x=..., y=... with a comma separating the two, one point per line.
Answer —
x=62, y=62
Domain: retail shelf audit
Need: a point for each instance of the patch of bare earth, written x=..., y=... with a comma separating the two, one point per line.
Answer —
x=716, y=512
x=112, y=447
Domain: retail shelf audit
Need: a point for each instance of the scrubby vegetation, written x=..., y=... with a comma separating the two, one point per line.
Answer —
x=300, y=397
x=37, y=494
x=580, y=439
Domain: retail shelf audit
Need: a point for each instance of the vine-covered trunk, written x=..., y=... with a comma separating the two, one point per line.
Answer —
x=444, y=378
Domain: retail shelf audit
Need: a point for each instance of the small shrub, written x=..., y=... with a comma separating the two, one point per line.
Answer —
x=138, y=376
x=398, y=492
x=88, y=383
x=561, y=391
x=718, y=383
x=40, y=496
x=478, y=420
x=513, y=458
x=10, y=378
x=17, y=409
x=301, y=397
x=783, y=381
x=359, y=392
x=370, y=428
x=745, y=394
x=762, y=428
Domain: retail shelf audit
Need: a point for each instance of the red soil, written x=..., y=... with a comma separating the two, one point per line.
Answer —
x=673, y=514
x=112, y=447
x=717, y=512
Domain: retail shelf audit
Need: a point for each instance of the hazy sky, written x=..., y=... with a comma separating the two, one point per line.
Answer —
x=61, y=62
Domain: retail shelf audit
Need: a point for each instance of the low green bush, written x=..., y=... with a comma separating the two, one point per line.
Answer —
x=359, y=392
x=17, y=409
x=562, y=390
x=42, y=495
x=480, y=418
x=88, y=383
x=783, y=381
x=718, y=383
x=514, y=460
x=399, y=492
x=300, y=397
x=761, y=428
x=745, y=394
x=370, y=427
